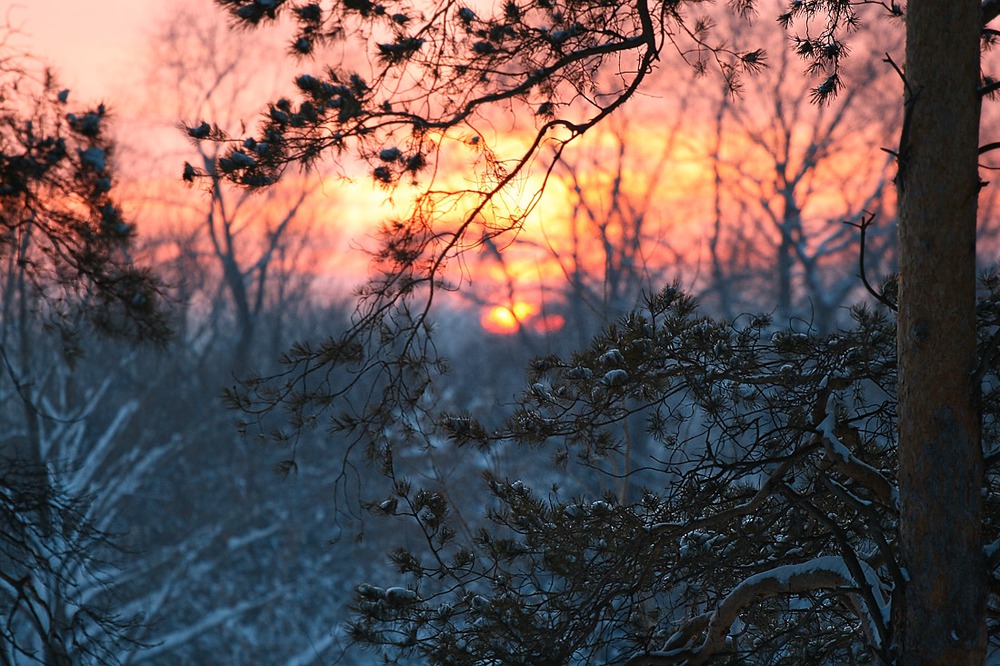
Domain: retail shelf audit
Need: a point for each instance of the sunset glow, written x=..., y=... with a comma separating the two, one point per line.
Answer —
x=503, y=320
x=636, y=197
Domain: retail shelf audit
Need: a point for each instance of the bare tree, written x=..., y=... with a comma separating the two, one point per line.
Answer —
x=795, y=181
x=616, y=245
x=92, y=563
x=198, y=68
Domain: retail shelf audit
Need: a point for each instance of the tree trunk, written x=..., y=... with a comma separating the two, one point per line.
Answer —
x=941, y=620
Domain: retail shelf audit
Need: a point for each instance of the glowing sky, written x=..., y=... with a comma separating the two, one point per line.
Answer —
x=101, y=50
x=91, y=44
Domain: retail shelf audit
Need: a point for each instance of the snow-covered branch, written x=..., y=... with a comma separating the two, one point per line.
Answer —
x=822, y=573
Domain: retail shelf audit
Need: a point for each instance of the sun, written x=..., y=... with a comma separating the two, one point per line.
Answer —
x=505, y=320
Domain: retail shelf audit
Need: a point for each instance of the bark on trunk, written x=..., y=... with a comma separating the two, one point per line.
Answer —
x=941, y=620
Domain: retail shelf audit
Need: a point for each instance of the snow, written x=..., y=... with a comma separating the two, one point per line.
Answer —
x=542, y=391
x=835, y=564
x=165, y=643
x=826, y=427
x=990, y=550
x=837, y=450
x=400, y=595
x=614, y=378
x=89, y=125
x=243, y=540
x=201, y=131
x=389, y=154
x=242, y=160
x=370, y=591
x=612, y=356
x=95, y=158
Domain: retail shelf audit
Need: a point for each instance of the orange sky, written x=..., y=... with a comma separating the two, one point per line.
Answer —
x=100, y=49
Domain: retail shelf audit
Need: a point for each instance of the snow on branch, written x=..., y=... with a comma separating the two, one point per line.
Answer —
x=822, y=573
x=844, y=461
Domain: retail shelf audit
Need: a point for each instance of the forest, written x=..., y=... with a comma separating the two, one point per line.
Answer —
x=515, y=332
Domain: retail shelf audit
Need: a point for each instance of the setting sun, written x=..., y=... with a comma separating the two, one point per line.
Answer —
x=503, y=320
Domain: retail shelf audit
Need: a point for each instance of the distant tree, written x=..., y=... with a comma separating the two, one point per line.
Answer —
x=440, y=70
x=198, y=68
x=795, y=180
x=763, y=210
x=611, y=244
x=208, y=572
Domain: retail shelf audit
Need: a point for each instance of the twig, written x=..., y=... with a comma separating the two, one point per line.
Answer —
x=863, y=228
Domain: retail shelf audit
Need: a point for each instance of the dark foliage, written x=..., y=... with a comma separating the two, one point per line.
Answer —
x=60, y=226
x=47, y=541
x=755, y=520
x=755, y=516
x=761, y=449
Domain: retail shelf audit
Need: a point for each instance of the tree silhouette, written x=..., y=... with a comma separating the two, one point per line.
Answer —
x=62, y=229
x=66, y=267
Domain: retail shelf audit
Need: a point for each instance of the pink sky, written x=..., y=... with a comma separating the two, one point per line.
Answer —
x=90, y=43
